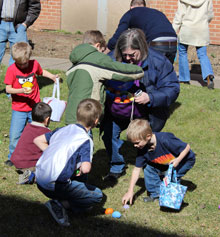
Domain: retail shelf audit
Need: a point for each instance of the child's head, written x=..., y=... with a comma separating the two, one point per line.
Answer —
x=88, y=113
x=139, y=132
x=21, y=53
x=41, y=113
x=95, y=38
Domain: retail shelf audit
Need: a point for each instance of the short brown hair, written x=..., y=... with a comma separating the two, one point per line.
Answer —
x=93, y=37
x=138, y=129
x=40, y=112
x=21, y=52
x=138, y=3
x=88, y=111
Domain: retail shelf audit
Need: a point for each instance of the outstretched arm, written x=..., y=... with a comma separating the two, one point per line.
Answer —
x=129, y=195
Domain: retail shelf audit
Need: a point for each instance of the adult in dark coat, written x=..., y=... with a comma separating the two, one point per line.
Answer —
x=160, y=88
x=158, y=30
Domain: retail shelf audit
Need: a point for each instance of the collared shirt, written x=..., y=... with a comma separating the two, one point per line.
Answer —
x=8, y=9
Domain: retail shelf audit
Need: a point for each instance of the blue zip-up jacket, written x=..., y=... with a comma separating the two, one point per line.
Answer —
x=153, y=22
x=160, y=80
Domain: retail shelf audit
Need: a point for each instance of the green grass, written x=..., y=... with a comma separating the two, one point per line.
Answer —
x=195, y=119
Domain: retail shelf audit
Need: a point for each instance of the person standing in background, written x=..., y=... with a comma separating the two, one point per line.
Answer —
x=191, y=22
x=158, y=30
x=16, y=17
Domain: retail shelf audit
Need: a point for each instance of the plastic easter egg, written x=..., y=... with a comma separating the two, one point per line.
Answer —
x=117, y=100
x=109, y=211
x=219, y=207
x=116, y=214
x=126, y=101
x=126, y=206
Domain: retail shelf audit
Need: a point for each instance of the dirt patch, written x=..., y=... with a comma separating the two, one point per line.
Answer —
x=59, y=45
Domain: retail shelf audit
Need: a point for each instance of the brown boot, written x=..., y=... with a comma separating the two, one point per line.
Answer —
x=210, y=83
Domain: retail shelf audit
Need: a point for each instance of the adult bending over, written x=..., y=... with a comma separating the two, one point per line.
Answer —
x=158, y=30
x=160, y=88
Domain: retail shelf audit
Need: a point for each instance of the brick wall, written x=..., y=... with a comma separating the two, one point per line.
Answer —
x=50, y=16
x=169, y=7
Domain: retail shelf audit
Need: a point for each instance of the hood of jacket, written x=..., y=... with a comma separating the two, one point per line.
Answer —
x=193, y=3
x=80, y=52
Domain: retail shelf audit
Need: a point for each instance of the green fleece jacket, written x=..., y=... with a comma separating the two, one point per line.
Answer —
x=90, y=69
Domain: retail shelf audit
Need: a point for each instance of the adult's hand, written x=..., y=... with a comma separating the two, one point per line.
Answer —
x=142, y=99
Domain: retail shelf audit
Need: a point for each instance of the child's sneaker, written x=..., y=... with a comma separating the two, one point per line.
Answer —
x=58, y=212
x=27, y=177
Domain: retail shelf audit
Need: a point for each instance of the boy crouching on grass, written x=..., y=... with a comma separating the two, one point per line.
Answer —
x=67, y=150
x=26, y=153
x=156, y=151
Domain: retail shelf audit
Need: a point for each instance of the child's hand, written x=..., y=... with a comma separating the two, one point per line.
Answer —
x=27, y=90
x=175, y=162
x=127, y=197
x=54, y=77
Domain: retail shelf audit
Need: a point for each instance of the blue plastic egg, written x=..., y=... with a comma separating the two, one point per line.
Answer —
x=116, y=214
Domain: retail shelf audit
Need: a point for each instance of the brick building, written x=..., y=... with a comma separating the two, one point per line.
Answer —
x=73, y=15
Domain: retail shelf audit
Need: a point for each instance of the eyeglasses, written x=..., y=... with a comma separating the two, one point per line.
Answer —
x=130, y=55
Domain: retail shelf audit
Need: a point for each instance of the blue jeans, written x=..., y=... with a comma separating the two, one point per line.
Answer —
x=113, y=143
x=8, y=33
x=79, y=195
x=167, y=51
x=184, y=73
x=113, y=128
x=152, y=176
x=18, y=122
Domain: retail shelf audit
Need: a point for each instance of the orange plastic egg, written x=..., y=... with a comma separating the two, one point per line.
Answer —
x=109, y=211
x=126, y=101
x=117, y=100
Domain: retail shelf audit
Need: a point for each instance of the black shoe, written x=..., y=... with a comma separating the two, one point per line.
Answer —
x=185, y=82
x=150, y=199
x=210, y=83
x=9, y=163
x=113, y=176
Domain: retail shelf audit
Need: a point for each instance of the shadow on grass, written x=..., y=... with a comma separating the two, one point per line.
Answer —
x=173, y=107
x=20, y=217
x=44, y=81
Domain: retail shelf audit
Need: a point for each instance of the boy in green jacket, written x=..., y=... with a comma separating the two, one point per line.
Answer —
x=91, y=67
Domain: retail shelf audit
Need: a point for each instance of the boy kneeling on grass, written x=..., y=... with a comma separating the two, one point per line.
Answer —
x=156, y=151
x=26, y=153
x=67, y=150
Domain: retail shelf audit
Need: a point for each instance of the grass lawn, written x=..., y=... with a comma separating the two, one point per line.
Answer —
x=195, y=118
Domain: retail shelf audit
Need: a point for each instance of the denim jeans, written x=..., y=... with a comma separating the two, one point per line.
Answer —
x=113, y=128
x=113, y=143
x=168, y=51
x=152, y=176
x=18, y=122
x=184, y=73
x=80, y=196
x=8, y=33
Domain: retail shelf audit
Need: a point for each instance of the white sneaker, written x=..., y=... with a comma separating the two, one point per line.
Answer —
x=58, y=212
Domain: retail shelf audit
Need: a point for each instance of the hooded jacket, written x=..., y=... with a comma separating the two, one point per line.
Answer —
x=26, y=11
x=192, y=21
x=89, y=71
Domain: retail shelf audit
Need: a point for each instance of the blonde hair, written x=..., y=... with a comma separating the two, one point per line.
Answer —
x=21, y=52
x=138, y=129
x=93, y=37
x=88, y=111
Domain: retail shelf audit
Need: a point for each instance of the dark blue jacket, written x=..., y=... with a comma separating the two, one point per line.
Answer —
x=153, y=22
x=160, y=80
